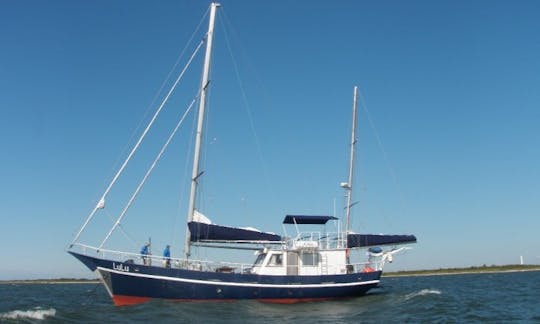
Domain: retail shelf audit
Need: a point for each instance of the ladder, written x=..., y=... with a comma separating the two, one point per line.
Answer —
x=324, y=264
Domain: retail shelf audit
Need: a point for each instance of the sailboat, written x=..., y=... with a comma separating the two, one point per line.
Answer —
x=307, y=266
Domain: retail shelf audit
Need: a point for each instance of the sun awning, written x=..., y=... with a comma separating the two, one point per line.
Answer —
x=303, y=219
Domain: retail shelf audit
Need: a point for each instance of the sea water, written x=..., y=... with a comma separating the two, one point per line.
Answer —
x=495, y=297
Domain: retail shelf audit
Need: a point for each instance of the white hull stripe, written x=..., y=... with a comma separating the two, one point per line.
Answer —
x=241, y=284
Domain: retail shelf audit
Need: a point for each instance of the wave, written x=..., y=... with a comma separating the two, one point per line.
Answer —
x=423, y=292
x=37, y=313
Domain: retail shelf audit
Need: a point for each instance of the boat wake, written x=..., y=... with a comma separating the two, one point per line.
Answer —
x=37, y=313
x=422, y=292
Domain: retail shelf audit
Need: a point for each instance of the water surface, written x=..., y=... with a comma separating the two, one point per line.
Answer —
x=501, y=297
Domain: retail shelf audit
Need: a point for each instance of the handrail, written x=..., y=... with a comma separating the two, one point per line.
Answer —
x=202, y=265
x=181, y=263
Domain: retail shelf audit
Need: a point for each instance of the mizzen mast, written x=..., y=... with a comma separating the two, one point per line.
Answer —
x=349, y=185
x=200, y=123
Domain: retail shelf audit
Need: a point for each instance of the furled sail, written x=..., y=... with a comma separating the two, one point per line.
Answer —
x=361, y=240
x=202, y=230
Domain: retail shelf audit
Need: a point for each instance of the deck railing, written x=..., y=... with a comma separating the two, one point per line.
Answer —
x=160, y=261
x=202, y=265
x=325, y=240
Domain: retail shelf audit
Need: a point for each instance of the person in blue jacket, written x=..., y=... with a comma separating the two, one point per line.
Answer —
x=144, y=254
x=167, y=256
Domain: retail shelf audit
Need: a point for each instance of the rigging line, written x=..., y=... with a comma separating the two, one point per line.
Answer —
x=133, y=242
x=381, y=147
x=181, y=201
x=101, y=202
x=246, y=105
x=203, y=202
x=200, y=200
x=167, y=78
x=259, y=84
x=202, y=20
x=143, y=181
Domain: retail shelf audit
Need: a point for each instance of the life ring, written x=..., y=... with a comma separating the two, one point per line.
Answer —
x=368, y=269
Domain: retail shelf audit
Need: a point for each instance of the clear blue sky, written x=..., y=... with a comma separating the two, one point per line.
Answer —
x=452, y=87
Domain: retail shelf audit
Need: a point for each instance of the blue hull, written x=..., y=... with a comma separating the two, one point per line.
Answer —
x=129, y=283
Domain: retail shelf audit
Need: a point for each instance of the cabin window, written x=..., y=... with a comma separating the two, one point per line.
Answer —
x=276, y=260
x=260, y=259
x=310, y=259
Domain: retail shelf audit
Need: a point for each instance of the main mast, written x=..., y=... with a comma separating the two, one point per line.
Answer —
x=198, y=137
x=349, y=185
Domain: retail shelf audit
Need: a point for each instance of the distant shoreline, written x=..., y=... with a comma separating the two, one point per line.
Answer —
x=414, y=273
x=49, y=281
x=461, y=271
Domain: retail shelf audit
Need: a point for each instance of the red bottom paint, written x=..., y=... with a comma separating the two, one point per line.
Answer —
x=204, y=300
x=122, y=300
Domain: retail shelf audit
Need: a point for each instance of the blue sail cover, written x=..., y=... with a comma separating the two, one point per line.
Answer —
x=212, y=232
x=361, y=240
x=301, y=219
